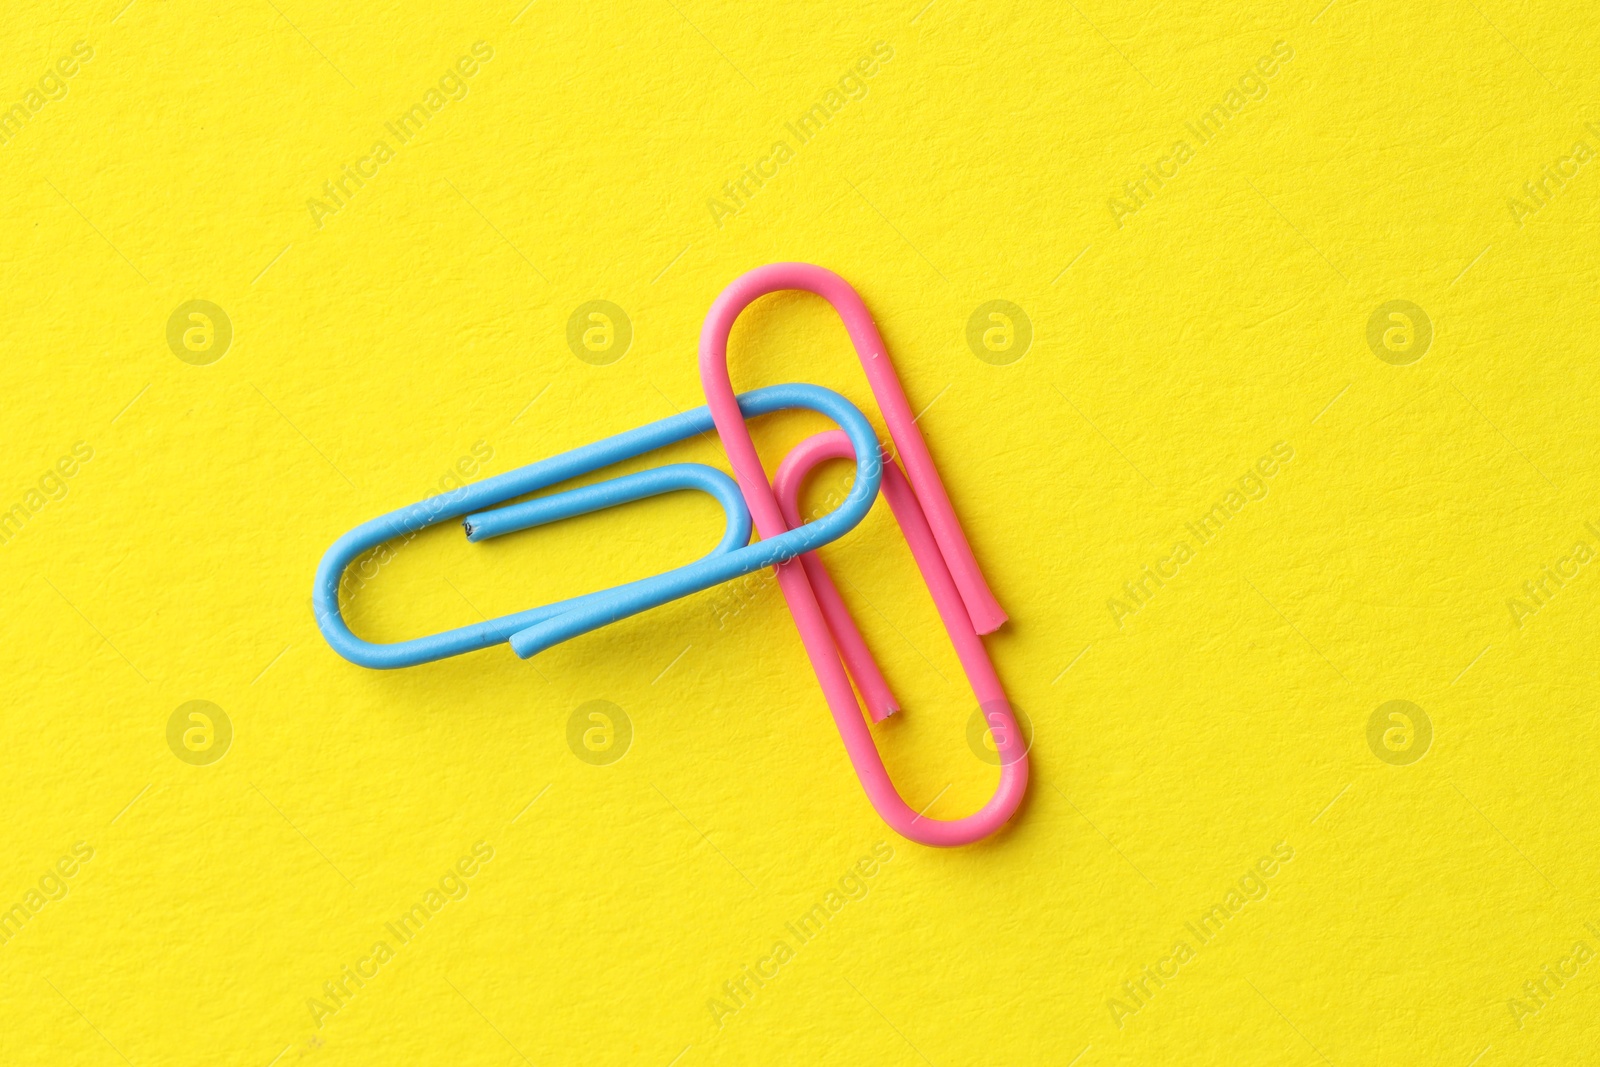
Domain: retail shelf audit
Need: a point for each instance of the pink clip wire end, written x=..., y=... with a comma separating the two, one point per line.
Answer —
x=922, y=508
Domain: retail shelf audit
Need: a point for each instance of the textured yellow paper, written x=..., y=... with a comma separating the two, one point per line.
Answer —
x=1256, y=345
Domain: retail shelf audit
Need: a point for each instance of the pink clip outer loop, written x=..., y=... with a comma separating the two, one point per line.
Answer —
x=923, y=510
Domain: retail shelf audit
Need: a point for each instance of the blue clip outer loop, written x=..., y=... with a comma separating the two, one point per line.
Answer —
x=536, y=629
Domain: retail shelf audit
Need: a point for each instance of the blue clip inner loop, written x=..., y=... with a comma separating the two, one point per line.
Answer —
x=536, y=629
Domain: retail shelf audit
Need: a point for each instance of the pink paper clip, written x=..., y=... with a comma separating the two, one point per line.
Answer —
x=922, y=508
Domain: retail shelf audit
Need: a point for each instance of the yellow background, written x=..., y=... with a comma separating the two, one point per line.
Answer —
x=1172, y=752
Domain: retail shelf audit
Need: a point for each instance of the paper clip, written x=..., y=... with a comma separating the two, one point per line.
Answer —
x=536, y=629
x=922, y=508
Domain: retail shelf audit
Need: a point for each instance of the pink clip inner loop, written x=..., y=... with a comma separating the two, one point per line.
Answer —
x=920, y=506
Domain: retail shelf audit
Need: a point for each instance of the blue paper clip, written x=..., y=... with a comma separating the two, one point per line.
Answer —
x=537, y=629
